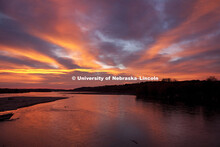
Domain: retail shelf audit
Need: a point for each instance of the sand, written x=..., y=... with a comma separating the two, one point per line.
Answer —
x=13, y=103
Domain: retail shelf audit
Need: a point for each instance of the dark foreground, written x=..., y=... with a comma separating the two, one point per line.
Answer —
x=13, y=103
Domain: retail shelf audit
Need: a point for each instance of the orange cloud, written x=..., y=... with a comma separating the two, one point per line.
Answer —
x=31, y=54
x=69, y=27
x=21, y=78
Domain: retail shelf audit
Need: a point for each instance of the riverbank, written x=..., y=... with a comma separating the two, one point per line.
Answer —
x=9, y=90
x=191, y=92
x=13, y=103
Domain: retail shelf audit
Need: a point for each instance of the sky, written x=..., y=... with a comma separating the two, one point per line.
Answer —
x=43, y=43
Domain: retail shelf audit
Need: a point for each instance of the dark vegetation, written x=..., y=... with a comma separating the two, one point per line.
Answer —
x=167, y=90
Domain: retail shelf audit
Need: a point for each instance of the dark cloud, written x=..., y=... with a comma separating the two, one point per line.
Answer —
x=15, y=35
x=68, y=63
x=24, y=61
x=40, y=15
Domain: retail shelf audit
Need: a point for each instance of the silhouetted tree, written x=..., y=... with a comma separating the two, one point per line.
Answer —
x=166, y=80
x=211, y=78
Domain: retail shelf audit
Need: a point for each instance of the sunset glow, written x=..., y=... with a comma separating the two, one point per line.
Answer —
x=47, y=42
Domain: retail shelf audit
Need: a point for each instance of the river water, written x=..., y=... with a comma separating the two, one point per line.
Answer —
x=109, y=121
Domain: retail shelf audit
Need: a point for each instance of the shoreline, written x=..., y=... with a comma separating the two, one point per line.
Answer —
x=189, y=92
x=13, y=103
x=100, y=93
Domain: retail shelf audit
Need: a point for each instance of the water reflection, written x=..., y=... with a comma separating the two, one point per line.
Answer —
x=109, y=120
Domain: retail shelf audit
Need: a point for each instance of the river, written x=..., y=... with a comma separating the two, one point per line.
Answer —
x=109, y=121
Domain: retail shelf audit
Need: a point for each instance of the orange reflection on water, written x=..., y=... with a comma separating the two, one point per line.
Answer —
x=107, y=120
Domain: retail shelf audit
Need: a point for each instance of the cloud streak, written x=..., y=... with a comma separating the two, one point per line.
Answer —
x=45, y=42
